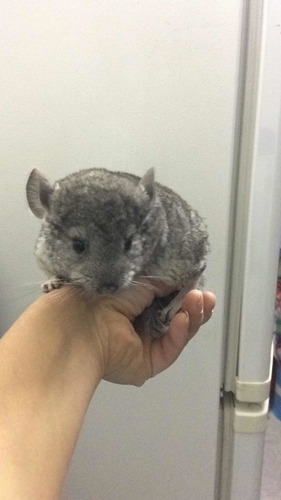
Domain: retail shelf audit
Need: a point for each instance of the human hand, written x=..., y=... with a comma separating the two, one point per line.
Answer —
x=128, y=357
x=52, y=360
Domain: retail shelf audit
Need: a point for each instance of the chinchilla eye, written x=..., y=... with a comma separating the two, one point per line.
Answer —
x=128, y=244
x=79, y=246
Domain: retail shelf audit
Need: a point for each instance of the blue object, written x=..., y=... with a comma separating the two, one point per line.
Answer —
x=276, y=407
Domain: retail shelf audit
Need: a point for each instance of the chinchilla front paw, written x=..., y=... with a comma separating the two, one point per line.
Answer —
x=152, y=321
x=157, y=326
x=155, y=320
x=52, y=284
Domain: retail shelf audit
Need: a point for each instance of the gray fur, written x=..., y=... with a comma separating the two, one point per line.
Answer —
x=132, y=227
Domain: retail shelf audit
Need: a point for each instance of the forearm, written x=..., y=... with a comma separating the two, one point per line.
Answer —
x=51, y=361
x=49, y=369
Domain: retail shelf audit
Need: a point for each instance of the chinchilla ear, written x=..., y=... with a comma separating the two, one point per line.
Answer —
x=38, y=191
x=147, y=183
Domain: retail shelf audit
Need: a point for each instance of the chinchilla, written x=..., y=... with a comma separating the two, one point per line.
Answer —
x=104, y=230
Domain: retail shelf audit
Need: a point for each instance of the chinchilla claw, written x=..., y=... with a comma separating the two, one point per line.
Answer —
x=52, y=284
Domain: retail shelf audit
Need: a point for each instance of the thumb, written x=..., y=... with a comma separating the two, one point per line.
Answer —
x=165, y=351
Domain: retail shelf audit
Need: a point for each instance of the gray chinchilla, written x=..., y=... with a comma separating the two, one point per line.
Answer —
x=103, y=230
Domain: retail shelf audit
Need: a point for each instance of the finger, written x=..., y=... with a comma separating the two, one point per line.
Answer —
x=209, y=300
x=166, y=350
x=193, y=304
x=133, y=301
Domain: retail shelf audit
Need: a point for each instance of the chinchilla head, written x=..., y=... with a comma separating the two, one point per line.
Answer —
x=99, y=227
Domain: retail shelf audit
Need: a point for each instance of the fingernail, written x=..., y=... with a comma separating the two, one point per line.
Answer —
x=200, y=302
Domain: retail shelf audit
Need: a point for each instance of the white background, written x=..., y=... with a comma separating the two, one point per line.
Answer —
x=127, y=85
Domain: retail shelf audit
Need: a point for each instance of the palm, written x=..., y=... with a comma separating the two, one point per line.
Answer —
x=133, y=358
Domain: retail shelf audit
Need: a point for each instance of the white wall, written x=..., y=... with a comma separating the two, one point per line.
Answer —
x=126, y=85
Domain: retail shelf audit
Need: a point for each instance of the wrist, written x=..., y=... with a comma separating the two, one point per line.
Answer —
x=65, y=320
x=50, y=367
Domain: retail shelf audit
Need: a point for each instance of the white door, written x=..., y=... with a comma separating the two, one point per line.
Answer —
x=127, y=85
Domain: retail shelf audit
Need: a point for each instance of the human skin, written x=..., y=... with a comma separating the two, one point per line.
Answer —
x=52, y=360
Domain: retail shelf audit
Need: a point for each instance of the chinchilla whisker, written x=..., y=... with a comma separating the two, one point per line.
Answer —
x=134, y=283
x=74, y=282
x=73, y=290
x=22, y=291
x=139, y=283
x=27, y=293
x=25, y=285
x=152, y=277
x=81, y=280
